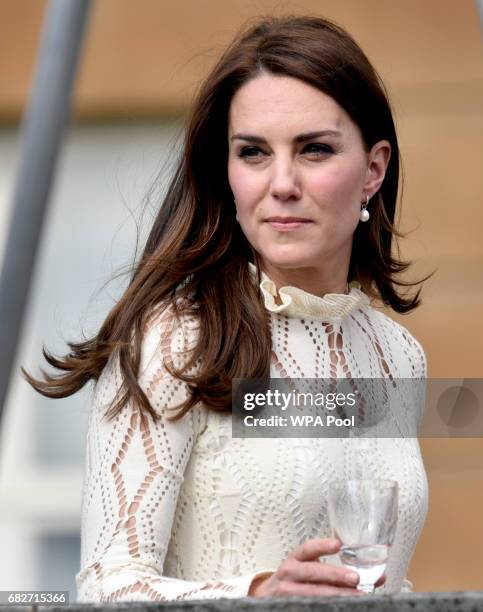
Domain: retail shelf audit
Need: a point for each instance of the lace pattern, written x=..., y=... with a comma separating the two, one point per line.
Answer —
x=183, y=511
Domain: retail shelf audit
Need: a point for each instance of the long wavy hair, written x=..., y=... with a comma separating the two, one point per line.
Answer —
x=196, y=250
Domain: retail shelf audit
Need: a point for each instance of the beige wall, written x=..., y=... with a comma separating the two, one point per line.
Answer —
x=146, y=58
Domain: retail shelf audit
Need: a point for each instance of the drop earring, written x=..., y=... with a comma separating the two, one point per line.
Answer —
x=364, y=214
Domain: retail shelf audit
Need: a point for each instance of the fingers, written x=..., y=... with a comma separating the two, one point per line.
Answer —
x=303, y=574
x=300, y=589
x=315, y=548
x=316, y=572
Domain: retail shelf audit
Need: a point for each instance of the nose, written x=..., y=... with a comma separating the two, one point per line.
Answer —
x=284, y=183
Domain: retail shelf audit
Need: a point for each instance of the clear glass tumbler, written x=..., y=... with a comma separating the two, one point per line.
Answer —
x=363, y=515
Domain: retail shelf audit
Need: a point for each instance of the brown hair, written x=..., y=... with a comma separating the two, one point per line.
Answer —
x=197, y=252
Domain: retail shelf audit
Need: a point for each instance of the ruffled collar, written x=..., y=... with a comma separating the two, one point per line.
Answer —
x=298, y=303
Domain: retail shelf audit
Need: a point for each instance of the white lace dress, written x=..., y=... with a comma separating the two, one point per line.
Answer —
x=181, y=510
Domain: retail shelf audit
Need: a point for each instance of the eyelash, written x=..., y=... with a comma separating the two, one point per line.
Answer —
x=322, y=149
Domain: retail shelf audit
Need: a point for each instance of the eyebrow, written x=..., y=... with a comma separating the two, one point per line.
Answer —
x=299, y=138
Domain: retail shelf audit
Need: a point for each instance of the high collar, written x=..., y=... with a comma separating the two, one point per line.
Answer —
x=299, y=303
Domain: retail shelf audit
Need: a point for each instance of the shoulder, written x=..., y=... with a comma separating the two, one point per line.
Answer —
x=400, y=341
x=169, y=333
x=166, y=337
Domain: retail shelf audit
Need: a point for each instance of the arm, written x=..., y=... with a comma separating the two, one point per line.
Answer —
x=134, y=472
x=420, y=368
x=415, y=353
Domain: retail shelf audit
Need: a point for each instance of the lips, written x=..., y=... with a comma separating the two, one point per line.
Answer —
x=287, y=224
x=287, y=220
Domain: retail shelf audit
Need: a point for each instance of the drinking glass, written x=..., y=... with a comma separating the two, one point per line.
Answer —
x=363, y=515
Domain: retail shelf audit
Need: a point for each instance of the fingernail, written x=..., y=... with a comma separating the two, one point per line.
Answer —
x=352, y=578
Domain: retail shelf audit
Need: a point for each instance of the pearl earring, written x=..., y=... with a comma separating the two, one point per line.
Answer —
x=364, y=214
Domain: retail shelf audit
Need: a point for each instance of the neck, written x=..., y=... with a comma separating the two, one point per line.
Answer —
x=307, y=279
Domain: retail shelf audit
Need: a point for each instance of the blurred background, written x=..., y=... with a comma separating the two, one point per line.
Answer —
x=141, y=65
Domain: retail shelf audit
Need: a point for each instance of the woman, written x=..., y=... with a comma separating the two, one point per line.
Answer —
x=273, y=238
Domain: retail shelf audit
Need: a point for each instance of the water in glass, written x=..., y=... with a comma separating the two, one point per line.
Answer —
x=363, y=515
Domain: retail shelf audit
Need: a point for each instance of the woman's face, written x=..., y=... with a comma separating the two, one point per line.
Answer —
x=299, y=172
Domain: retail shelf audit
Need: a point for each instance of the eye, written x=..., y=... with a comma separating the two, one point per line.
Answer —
x=318, y=148
x=249, y=152
x=314, y=148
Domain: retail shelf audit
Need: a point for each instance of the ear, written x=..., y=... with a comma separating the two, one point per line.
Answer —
x=377, y=162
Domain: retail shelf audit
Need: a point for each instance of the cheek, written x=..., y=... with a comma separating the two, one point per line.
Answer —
x=247, y=186
x=341, y=186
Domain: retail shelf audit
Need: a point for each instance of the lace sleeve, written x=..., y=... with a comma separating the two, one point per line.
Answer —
x=134, y=471
x=416, y=355
x=419, y=369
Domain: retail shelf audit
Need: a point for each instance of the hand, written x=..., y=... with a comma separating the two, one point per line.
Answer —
x=303, y=574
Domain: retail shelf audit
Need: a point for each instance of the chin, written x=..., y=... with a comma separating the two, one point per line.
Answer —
x=287, y=261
